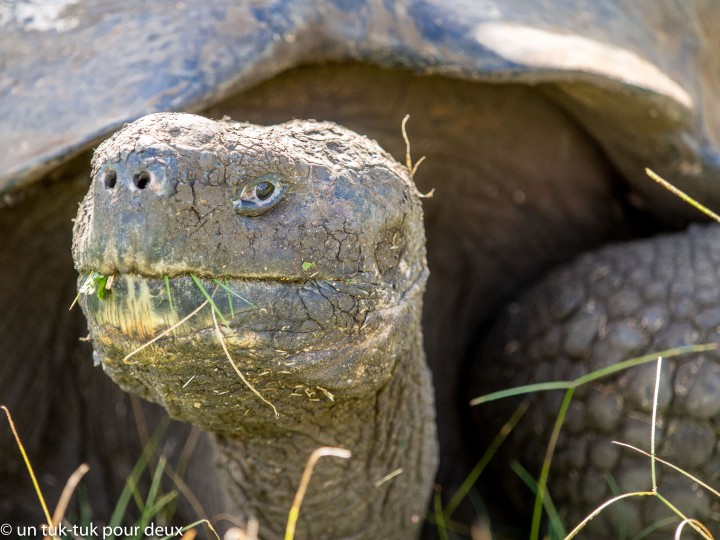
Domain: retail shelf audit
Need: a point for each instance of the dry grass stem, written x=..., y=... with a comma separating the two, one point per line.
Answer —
x=221, y=338
x=251, y=532
x=189, y=530
x=412, y=169
x=654, y=423
x=602, y=507
x=684, y=196
x=324, y=451
x=166, y=332
x=479, y=530
x=672, y=466
x=28, y=465
x=695, y=524
x=67, y=493
x=388, y=477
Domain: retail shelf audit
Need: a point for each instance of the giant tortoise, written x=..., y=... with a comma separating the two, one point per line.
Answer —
x=536, y=118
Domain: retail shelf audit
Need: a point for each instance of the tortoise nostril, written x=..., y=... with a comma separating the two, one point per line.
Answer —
x=141, y=180
x=110, y=179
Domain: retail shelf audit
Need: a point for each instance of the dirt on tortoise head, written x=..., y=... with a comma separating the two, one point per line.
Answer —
x=306, y=243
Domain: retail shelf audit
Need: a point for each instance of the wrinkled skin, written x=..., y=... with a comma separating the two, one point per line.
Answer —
x=316, y=234
x=498, y=219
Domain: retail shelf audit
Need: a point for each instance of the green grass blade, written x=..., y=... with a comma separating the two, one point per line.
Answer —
x=439, y=517
x=545, y=470
x=487, y=456
x=136, y=495
x=155, y=485
x=595, y=375
x=234, y=293
x=230, y=304
x=167, y=289
x=121, y=506
x=683, y=517
x=622, y=511
x=159, y=505
x=147, y=511
x=522, y=390
x=209, y=298
x=557, y=527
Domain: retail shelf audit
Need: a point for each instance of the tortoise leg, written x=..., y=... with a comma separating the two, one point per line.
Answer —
x=620, y=302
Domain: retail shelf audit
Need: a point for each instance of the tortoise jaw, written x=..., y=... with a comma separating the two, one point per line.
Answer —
x=267, y=318
x=153, y=335
x=141, y=308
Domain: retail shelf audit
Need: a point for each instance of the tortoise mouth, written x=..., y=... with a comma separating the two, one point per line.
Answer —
x=142, y=308
x=153, y=334
x=261, y=317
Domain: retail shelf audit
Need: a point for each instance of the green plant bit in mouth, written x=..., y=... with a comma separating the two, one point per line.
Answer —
x=95, y=283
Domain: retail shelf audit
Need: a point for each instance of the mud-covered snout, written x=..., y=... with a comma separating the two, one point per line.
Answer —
x=146, y=174
x=151, y=209
x=132, y=214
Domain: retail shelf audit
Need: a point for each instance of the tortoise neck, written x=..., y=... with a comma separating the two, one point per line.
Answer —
x=374, y=494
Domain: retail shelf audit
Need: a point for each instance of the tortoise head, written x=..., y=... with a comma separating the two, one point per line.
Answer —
x=302, y=245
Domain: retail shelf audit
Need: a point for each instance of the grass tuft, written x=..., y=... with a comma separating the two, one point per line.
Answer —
x=547, y=461
x=152, y=507
x=570, y=387
x=130, y=489
x=442, y=527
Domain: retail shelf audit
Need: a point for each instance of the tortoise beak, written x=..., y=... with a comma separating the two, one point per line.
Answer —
x=143, y=308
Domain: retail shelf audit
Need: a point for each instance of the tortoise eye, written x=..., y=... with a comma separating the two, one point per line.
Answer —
x=260, y=195
x=263, y=190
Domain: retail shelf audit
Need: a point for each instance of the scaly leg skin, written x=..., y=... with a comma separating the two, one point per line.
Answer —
x=621, y=302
